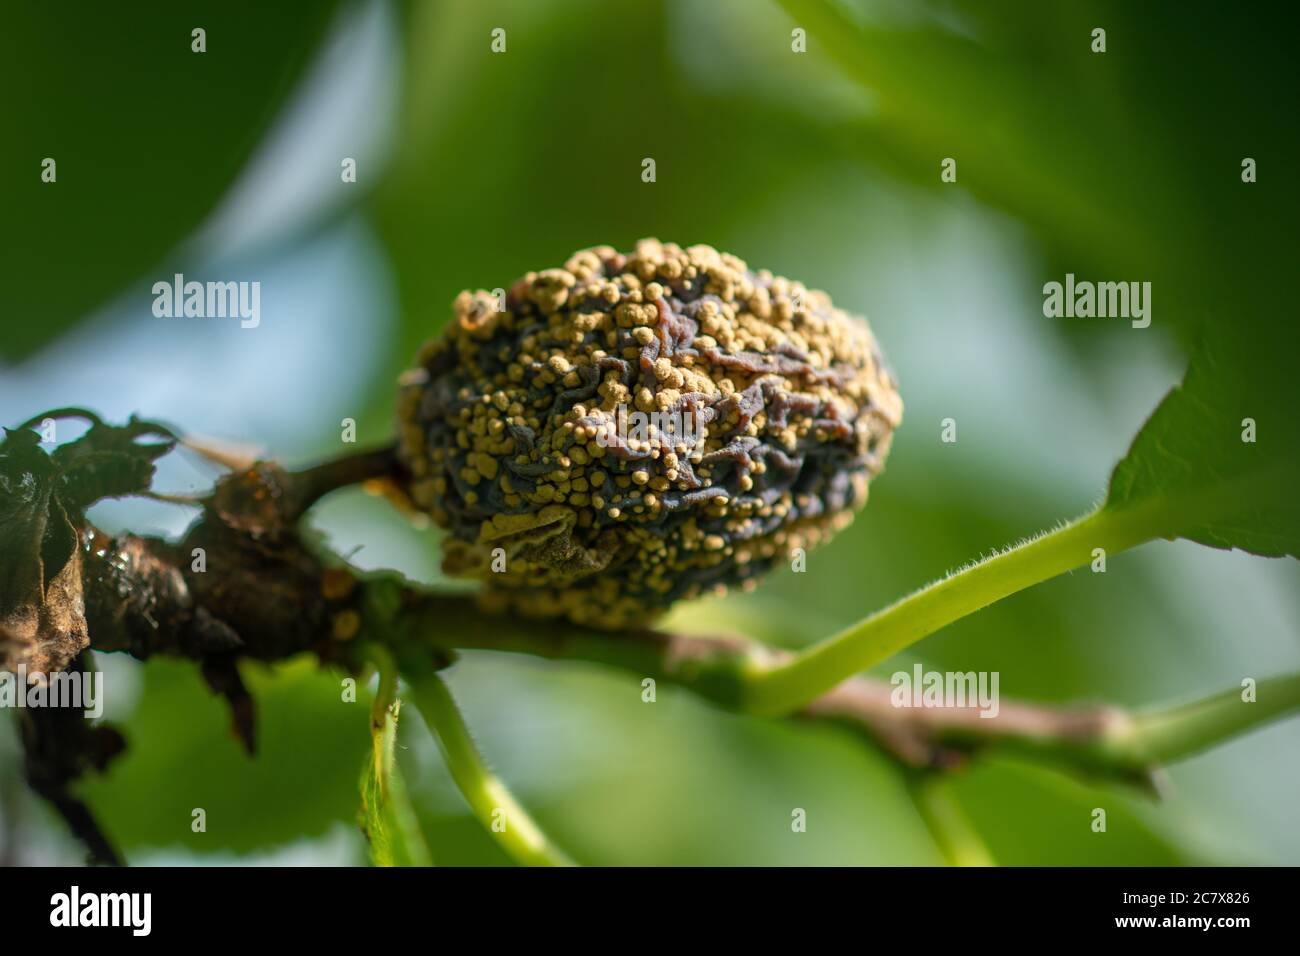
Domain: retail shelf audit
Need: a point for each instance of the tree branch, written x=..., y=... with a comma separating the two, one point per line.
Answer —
x=266, y=594
x=1095, y=742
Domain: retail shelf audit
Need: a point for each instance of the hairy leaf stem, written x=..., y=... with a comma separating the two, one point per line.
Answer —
x=787, y=686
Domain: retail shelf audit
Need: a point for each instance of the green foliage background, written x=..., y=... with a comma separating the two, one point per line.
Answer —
x=822, y=166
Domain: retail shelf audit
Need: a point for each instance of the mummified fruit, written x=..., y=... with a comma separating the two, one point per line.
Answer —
x=632, y=430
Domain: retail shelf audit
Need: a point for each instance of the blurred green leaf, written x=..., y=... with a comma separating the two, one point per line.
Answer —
x=386, y=817
x=1124, y=161
x=146, y=136
x=181, y=756
x=1033, y=817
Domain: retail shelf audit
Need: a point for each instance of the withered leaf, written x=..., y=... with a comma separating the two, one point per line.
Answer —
x=43, y=498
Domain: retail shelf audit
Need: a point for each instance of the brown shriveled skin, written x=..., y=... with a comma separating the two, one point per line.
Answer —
x=42, y=503
x=42, y=622
x=506, y=429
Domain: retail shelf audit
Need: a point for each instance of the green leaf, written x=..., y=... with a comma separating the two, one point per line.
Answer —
x=1221, y=451
x=146, y=135
x=182, y=756
x=387, y=818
